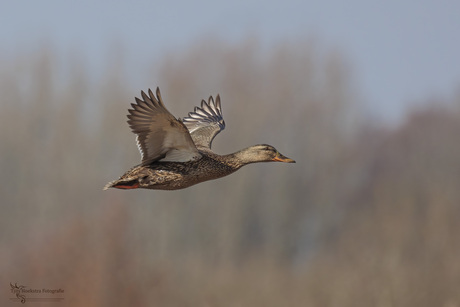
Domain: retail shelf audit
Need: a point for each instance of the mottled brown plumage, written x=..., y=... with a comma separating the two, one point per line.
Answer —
x=177, y=153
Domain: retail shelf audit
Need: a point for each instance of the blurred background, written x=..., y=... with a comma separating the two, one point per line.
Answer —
x=364, y=96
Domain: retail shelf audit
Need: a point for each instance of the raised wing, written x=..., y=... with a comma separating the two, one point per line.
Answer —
x=206, y=122
x=160, y=136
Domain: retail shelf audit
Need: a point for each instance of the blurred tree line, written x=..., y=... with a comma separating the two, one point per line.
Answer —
x=367, y=216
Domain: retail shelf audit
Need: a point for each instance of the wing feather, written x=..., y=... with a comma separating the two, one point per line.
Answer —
x=205, y=122
x=159, y=134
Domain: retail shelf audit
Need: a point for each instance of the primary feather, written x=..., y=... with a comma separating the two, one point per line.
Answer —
x=206, y=122
x=159, y=134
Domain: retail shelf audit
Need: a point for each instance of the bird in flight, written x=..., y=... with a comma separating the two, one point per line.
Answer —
x=176, y=153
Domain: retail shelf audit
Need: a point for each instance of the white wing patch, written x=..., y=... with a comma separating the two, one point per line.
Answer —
x=140, y=148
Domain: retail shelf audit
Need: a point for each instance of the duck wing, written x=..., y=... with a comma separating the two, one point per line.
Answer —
x=160, y=136
x=205, y=122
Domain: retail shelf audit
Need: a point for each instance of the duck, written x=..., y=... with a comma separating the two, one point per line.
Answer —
x=176, y=153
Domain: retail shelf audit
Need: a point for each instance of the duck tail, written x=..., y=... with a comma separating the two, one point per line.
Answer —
x=121, y=184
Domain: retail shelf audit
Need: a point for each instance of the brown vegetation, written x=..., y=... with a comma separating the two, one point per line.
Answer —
x=367, y=216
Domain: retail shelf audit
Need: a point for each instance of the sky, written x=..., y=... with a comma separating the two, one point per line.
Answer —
x=400, y=52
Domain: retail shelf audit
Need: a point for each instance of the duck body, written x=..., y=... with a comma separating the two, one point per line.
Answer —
x=176, y=153
x=175, y=175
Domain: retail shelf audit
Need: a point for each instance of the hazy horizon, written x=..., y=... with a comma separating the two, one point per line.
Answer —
x=399, y=53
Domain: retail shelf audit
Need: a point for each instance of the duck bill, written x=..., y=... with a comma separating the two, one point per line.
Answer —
x=280, y=158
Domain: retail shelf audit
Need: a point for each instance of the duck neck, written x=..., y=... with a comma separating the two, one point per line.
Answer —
x=241, y=158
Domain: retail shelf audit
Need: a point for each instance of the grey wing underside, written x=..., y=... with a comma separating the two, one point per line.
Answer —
x=205, y=122
x=160, y=136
